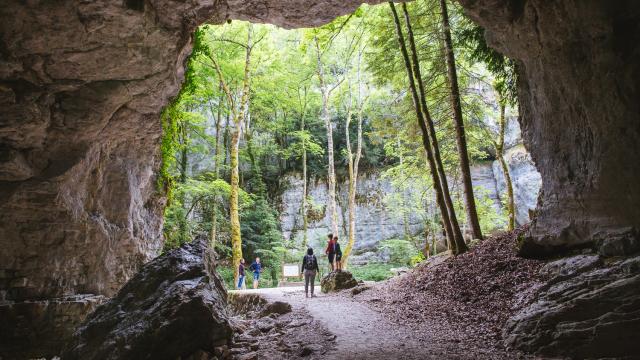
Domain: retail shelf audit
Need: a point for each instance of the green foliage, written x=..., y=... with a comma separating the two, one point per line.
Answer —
x=261, y=237
x=416, y=259
x=400, y=251
x=359, y=55
x=373, y=271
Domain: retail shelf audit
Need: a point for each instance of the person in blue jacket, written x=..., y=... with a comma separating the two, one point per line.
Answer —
x=256, y=267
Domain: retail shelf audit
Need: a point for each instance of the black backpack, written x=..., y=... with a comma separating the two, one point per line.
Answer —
x=310, y=262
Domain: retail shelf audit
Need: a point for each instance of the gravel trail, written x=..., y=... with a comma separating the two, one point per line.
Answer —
x=363, y=333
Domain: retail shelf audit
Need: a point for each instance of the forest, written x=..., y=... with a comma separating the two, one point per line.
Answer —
x=411, y=91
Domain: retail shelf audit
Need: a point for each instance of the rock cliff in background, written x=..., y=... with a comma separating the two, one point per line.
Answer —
x=175, y=307
x=524, y=175
x=578, y=96
x=376, y=222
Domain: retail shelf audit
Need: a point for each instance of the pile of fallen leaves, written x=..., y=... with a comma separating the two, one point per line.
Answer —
x=466, y=298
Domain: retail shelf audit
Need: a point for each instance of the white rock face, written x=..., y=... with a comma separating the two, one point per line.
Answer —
x=524, y=175
x=376, y=222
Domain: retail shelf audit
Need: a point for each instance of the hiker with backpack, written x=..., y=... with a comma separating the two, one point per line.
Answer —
x=309, y=268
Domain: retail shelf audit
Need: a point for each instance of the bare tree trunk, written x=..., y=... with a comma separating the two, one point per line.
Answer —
x=239, y=112
x=331, y=174
x=459, y=245
x=437, y=186
x=305, y=218
x=511, y=206
x=216, y=171
x=469, y=200
x=354, y=163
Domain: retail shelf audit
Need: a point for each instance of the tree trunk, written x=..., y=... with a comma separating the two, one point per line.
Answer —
x=305, y=219
x=331, y=175
x=461, y=141
x=425, y=133
x=459, y=245
x=354, y=162
x=239, y=112
x=234, y=215
x=216, y=172
x=511, y=207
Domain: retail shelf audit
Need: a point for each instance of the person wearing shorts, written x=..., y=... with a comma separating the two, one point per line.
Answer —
x=256, y=267
x=330, y=251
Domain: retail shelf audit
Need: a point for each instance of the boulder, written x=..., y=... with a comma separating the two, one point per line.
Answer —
x=174, y=307
x=276, y=307
x=586, y=310
x=337, y=280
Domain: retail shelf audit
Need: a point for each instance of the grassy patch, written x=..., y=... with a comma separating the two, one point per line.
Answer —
x=373, y=271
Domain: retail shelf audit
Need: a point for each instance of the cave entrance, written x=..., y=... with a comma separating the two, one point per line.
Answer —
x=80, y=101
x=281, y=112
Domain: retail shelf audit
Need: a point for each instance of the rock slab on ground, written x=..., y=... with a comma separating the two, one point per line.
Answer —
x=174, y=307
x=337, y=280
x=587, y=310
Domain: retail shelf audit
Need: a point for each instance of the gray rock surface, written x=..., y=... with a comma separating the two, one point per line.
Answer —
x=82, y=85
x=376, y=222
x=40, y=328
x=586, y=310
x=174, y=307
x=579, y=113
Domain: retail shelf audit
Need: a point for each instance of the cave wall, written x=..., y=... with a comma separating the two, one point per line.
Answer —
x=578, y=93
x=82, y=84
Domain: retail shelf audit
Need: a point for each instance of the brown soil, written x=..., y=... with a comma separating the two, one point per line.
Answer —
x=464, y=299
x=447, y=308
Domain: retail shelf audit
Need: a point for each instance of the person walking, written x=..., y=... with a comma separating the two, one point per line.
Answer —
x=240, y=274
x=256, y=267
x=330, y=251
x=309, y=268
x=338, y=252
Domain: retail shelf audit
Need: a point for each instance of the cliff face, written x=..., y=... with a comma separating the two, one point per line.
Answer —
x=578, y=99
x=377, y=222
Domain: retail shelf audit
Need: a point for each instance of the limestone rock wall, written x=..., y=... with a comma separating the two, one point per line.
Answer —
x=376, y=222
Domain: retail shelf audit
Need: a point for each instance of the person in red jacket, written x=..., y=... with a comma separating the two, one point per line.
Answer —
x=331, y=250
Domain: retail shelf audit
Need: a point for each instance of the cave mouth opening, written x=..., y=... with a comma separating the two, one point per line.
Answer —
x=81, y=211
x=284, y=112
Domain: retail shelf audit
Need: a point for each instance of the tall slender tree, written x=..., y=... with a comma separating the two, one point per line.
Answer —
x=354, y=159
x=238, y=112
x=459, y=245
x=443, y=198
x=326, y=91
x=461, y=140
x=499, y=147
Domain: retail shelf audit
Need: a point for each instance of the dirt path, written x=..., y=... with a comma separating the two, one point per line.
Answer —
x=363, y=333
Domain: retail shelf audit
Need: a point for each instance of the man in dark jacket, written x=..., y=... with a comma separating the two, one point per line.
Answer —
x=309, y=268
